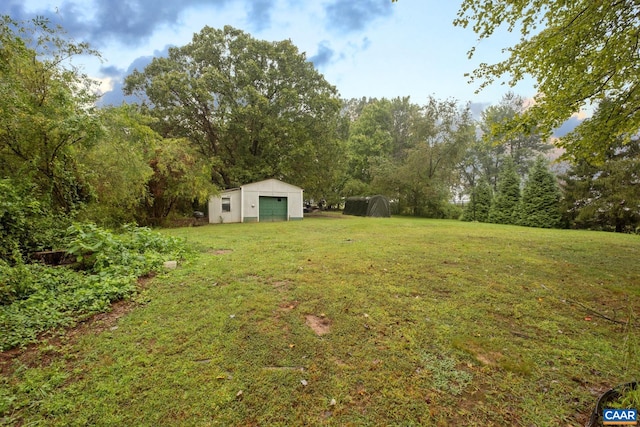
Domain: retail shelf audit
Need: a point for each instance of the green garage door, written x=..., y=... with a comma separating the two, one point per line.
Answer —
x=273, y=209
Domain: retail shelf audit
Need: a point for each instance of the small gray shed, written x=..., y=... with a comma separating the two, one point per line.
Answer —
x=377, y=206
x=263, y=201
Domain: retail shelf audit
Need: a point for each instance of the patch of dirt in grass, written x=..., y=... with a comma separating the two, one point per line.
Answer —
x=220, y=251
x=340, y=363
x=319, y=325
x=485, y=357
x=281, y=285
x=489, y=359
x=284, y=368
x=288, y=306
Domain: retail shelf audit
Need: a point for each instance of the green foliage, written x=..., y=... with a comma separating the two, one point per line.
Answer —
x=15, y=282
x=540, y=202
x=46, y=112
x=26, y=224
x=382, y=131
x=54, y=297
x=446, y=377
x=139, y=176
x=254, y=109
x=507, y=197
x=422, y=174
x=449, y=211
x=355, y=187
x=580, y=53
x=604, y=195
x=17, y=210
x=629, y=397
x=135, y=252
x=180, y=177
x=430, y=322
x=117, y=166
x=501, y=138
x=370, y=139
x=480, y=204
x=35, y=298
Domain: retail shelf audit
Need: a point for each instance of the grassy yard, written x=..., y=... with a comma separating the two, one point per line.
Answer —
x=345, y=321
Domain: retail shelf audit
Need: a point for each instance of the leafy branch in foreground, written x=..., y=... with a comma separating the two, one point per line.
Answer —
x=580, y=53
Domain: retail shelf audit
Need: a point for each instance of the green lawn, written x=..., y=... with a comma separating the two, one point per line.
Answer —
x=344, y=321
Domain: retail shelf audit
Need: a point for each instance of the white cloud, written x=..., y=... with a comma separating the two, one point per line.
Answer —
x=105, y=84
x=373, y=49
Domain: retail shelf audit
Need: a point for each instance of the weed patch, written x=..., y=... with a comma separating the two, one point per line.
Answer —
x=39, y=298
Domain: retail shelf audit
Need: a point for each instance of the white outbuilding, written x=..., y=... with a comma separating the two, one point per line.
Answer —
x=263, y=201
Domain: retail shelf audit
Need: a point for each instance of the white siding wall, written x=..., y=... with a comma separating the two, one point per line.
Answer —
x=295, y=204
x=245, y=201
x=216, y=215
x=250, y=205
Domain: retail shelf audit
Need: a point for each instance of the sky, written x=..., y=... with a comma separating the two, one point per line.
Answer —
x=366, y=48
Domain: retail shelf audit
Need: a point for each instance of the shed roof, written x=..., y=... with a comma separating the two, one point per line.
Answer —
x=266, y=185
x=271, y=183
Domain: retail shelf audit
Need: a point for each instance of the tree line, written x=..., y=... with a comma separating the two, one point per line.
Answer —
x=227, y=109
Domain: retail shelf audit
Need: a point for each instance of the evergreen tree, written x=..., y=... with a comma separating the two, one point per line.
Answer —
x=540, y=203
x=604, y=195
x=505, y=204
x=480, y=204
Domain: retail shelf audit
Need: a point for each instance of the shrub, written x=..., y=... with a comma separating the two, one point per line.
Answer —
x=35, y=297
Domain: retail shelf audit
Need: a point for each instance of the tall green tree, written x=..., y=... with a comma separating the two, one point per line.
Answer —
x=579, y=52
x=423, y=178
x=352, y=108
x=117, y=166
x=502, y=137
x=180, y=180
x=479, y=204
x=540, y=202
x=370, y=139
x=604, y=195
x=47, y=111
x=507, y=198
x=404, y=113
x=254, y=109
x=381, y=130
x=139, y=176
x=497, y=140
